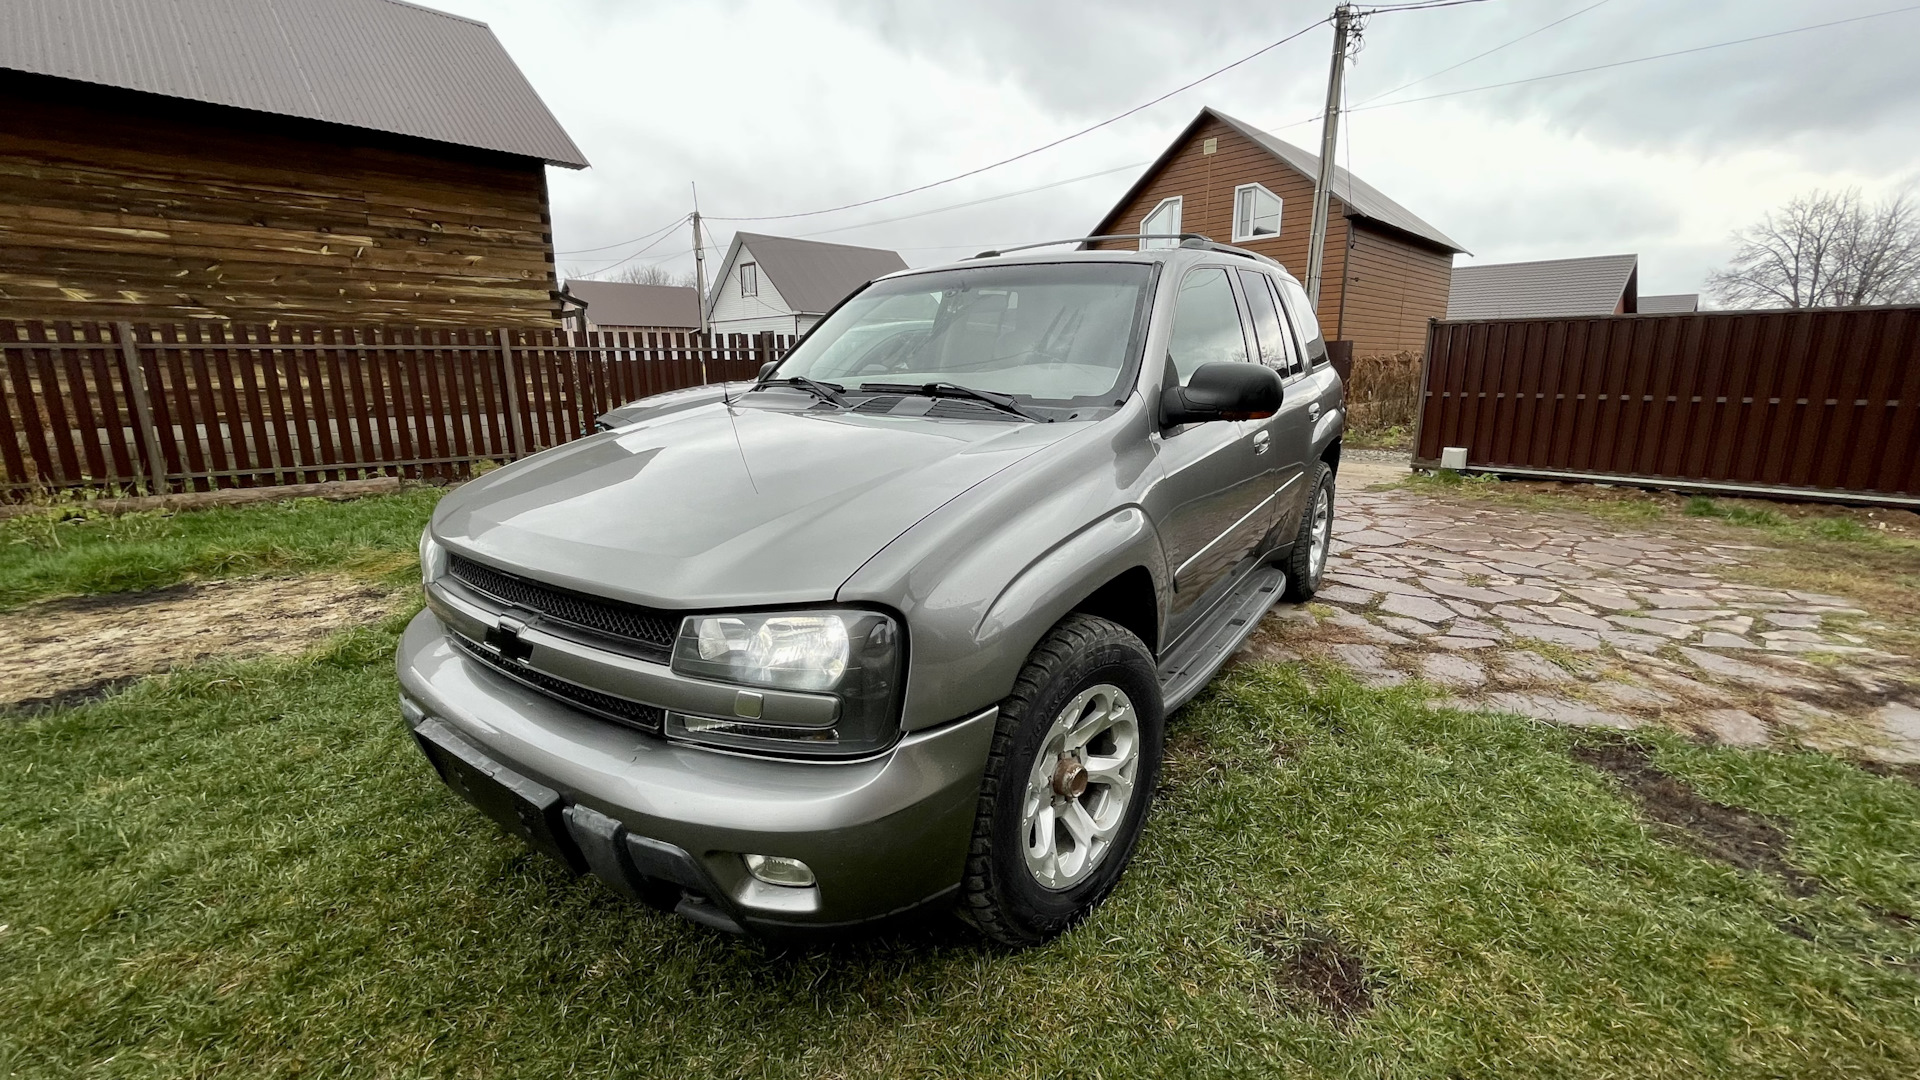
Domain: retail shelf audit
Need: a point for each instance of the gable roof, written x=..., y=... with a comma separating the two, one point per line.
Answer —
x=1362, y=199
x=1669, y=303
x=381, y=65
x=811, y=276
x=621, y=303
x=1544, y=289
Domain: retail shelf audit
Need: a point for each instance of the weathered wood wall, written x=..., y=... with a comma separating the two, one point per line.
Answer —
x=1390, y=290
x=116, y=204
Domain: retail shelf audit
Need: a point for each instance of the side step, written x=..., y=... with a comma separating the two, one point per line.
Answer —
x=1190, y=664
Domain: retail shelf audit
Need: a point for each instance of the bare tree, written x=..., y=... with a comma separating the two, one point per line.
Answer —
x=652, y=274
x=1826, y=249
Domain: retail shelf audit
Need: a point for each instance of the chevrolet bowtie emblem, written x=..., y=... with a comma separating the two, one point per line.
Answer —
x=504, y=638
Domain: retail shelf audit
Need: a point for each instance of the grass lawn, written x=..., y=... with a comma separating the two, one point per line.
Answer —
x=247, y=869
x=69, y=552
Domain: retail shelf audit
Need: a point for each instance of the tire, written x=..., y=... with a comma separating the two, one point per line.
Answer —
x=1307, y=563
x=1105, y=675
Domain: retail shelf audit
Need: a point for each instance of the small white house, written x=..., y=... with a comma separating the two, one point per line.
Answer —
x=782, y=285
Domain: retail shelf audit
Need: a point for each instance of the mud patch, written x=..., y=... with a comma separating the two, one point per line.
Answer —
x=1908, y=772
x=70, y=651
x=1313, y=970
x=1728, y=834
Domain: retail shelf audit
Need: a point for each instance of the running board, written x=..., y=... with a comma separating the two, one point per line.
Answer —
x=1189, y=665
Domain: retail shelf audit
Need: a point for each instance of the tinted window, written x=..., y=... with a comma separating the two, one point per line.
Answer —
x=1303, y=321
x=1206, y=323
x=1268, y=330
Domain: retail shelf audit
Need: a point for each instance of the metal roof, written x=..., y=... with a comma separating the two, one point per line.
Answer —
x=1362, y=199
x=382, y=65
x=1546, y=289
x=620, y=303
x=809, y=275
x=1669, y=303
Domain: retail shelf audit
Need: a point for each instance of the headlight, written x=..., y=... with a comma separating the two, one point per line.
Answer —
x=433, y=558
x=852, y=655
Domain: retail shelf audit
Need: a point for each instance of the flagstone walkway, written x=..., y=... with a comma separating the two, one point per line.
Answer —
x=1568, y=619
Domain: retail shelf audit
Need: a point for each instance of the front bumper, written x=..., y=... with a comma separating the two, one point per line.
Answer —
x=671, y=823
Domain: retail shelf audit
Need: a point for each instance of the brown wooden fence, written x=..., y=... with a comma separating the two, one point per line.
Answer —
x=1818, y=404
x=115, y=406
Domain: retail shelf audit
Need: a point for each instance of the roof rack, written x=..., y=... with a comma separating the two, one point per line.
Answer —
x=1191, y=241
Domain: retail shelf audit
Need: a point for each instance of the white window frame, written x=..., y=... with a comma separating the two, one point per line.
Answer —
x=1178, y=203
x=749, y=279
x=1279, y=206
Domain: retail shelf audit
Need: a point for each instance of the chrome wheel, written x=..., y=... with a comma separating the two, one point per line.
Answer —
x=1080, y=786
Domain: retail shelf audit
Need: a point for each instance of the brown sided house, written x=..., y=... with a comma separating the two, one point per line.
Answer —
x=337, y=161
x=1386, y=271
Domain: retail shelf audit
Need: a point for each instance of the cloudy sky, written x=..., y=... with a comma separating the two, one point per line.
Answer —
x=778, y=108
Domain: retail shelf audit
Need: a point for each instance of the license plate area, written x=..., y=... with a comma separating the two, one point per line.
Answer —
x=524, y=808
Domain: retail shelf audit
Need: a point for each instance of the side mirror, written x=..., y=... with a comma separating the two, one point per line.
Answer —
x=766, y=369
x=1229, y=391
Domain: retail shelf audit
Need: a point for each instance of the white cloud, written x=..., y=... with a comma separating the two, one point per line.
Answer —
x=776, y=107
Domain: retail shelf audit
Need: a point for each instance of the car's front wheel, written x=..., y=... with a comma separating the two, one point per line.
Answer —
x=1075, y=757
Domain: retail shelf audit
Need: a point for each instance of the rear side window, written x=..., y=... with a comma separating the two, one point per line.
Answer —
x=1276, y=351
x=1206, y=323
x=1302, y=314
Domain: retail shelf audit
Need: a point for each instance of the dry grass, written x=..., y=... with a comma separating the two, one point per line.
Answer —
x=1383, y=397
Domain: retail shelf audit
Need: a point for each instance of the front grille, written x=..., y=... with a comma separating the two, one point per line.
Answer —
x=653, y=631
x=647, y=718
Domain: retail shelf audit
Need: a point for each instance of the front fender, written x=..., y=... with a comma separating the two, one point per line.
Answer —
x=1051, y=585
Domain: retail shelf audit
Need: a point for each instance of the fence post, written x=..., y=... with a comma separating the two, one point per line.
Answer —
x=510, y=383
x=155, y=483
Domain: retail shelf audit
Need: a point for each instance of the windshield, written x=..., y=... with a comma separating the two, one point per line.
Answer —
x=1058, y=334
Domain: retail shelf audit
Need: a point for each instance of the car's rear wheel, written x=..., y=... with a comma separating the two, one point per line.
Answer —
x=1075, y=757
x=1307, y=563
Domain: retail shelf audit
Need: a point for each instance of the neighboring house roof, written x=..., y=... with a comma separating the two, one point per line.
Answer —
x=1362, y=199
x=620, y=303
x=375, y=64
x=1669, y=303
x=1546, y=289
x=809, y=275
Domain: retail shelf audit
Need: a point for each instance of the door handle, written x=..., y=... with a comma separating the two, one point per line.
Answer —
x=1261, y=440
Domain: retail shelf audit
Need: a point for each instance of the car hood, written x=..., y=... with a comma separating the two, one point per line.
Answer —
x=727, y=504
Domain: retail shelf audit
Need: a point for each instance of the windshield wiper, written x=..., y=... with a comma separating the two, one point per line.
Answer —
x=1003, y=402
x=825, y=391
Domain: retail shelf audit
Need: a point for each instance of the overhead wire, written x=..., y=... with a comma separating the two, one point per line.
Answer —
x=681, y=220
x=1489, y=52
x=1263, y=50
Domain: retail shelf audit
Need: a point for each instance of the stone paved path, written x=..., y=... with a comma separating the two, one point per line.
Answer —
x=1569, y=619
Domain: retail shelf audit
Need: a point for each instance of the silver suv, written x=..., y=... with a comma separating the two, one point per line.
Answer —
x=900, y=622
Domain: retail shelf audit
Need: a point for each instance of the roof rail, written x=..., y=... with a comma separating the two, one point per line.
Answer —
x=1183, y=237
x=1190, y=241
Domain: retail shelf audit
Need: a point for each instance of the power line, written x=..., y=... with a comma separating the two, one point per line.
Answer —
x=1484, y=55
x=1038, y=149
x=1419, y=5
x=605, y=247
x=637, y=254
x=1640, y=59
x=977, y=202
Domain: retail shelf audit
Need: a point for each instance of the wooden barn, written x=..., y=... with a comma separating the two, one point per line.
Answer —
x=1386, y=271
x=333, y=161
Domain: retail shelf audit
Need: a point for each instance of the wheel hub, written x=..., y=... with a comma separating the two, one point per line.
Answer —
x=1069, y=777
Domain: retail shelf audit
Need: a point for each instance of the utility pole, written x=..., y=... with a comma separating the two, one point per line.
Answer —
x=700, y=283
x=1344, y=18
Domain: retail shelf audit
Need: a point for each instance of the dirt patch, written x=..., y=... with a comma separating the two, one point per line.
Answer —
x=1728, y=834
x=69, y=651
x=1313, y=970
x=1910, y=773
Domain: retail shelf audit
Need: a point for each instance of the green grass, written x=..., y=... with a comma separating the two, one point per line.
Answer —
x=247, y=869
x=70, y=552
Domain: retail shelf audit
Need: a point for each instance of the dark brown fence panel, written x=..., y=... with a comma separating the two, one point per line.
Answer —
x=1820, y=403
x=119, y=406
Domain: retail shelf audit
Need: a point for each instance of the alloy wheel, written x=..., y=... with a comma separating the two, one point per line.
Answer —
x=1080, y=786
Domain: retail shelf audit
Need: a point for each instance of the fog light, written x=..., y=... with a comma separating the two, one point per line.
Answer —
x=777, y=870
